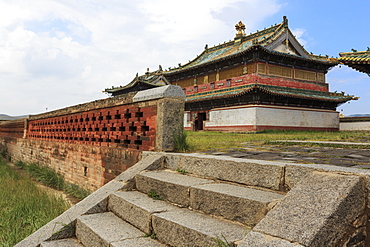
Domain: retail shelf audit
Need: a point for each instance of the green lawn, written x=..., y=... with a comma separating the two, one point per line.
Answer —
x=23, y=207
x=209, y=140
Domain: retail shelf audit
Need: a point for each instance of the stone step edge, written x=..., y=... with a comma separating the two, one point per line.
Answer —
x=214, y=180
x=148, y=215
x=102, y=229
x=182, y=198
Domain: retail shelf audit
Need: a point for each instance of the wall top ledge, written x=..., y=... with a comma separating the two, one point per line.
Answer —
x=169, y=91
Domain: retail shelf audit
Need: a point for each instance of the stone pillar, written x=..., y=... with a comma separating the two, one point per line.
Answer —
x=170, y=113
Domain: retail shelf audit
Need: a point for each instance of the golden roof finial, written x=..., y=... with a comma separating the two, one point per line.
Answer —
x=240, y=27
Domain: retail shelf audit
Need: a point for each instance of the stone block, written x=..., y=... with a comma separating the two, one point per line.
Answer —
x=69, y=242
x=169, y=91
x=256, y=239
x=236, y=203
x=318, y=211
x=169, y=122
x=136, y=208
x=182, y=228
x=295, y=172
x=137, y=242
x=169, y=186
x=251, y=172
x=103, y=229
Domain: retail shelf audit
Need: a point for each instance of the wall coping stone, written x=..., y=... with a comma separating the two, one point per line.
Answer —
x=169, y=91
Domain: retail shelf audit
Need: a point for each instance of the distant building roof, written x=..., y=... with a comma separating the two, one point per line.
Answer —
x=146, y=81
x=358, y=60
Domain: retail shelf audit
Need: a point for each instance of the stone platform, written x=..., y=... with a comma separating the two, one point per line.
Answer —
x=189, y=200
x=349, y=154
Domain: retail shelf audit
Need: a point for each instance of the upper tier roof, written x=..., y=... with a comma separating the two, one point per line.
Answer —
x=277, y=39
x=358, y=60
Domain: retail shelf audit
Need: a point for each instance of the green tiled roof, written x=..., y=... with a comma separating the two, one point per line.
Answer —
x=151, y=78
x=274, y=90
x=355, y=57
x=358, y=60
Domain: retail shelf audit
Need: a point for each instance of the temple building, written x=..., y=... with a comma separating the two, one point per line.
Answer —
x=262, y=81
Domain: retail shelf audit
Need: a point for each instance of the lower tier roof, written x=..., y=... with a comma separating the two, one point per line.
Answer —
x=273, y=90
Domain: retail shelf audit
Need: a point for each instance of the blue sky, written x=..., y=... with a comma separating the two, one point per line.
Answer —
x=55, y=54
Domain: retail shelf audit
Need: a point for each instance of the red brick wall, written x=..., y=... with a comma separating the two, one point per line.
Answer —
x=127, y=126
x=87, y=166
x=91, y=143
x=14, y=128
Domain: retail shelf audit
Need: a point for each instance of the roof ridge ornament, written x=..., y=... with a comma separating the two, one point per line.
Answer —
x=285, y=21
x=240, y=28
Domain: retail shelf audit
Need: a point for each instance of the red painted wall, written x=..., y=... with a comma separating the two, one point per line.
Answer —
x=261, y=79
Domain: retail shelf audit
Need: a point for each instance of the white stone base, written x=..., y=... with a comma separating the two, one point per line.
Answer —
x=257, y=118
x=354, y=126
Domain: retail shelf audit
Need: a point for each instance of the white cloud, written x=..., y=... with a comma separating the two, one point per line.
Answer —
x=59, y=53
x=299, y=33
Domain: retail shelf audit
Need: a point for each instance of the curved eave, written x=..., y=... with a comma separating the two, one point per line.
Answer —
x=131, y=84
x=239, y=92
x=348, y=60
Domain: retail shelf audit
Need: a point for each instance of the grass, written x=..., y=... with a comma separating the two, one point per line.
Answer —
x=182, y=171
x=52, y=179
x=152, y=236
x=181, y=142
x=208, y=140
x=154, y=195
x=44, y=175
x=24, y=208
x=222, y=242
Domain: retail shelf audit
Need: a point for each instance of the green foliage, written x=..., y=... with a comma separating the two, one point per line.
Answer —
x=75, y=191
x=152, y=236
x=44, y=175
x=180, y=142
x=23, y=207
x=153, y=194
x=3, y=153
x=52, y=179
x=222, y=242
x=182, y=171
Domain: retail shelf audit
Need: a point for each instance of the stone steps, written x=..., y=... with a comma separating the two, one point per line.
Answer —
x=233, y=202
x=175, y=209
x=172, y=225
x=107, y=229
